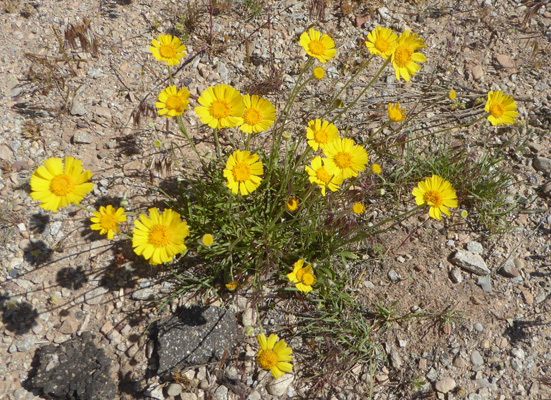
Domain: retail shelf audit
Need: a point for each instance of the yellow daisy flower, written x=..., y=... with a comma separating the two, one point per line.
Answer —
x=452, y=94
x=107, y=220
x=292, y=204
x=274, y=356
x=317, y=45
x=207, y=239
x=502, y=108
x=438, y=194
x=395, y=113
x=231, y=286
x=56, y=186
x=221, y=107
x=344, y=158
x=319, y=133
x=259, y=114
x=319, y=73
x=404, y=55
x=376, y=168
x=158, y=238
x=172, y=102
x=358, y=208
x=302, y=277
x=168, y=48
x=243, y=172
x=380, y=41
x=318, y=174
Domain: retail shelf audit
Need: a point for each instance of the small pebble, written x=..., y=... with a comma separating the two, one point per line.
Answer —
x=393, y=276
x=476, y=358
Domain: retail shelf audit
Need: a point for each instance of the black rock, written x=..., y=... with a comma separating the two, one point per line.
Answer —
x=195, y=336
x=74, y=370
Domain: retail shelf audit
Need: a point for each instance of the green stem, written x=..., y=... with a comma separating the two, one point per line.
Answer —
x=438, y=132
x=84, y=208
x=183, y=129
x=331, y=103
x=217, y=143
x=363, y=91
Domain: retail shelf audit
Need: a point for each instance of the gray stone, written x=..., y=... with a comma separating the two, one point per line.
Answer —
x=78, y=109
x=174, y=389
x=221, y=393
x=508, y=270
x=445, y=385
x=529, y=363
x=518, y=353
x=77, y=369
x=254, y=396
x=94, y=296
x=393, y=276
x=188, y=396
x=476, y=358
x=542, y=164
x=485, y=282
x=20, y=394
x=144, y=294
x=432, y=375
x=81, y=137
x=478, y=327
x=469, y=262
x=26, y=344
x=517, y=364
x=519, y=263
x=455, y=275
x=15, y=145
x=195, y=336
x=278, y=387
x=475, y=247
x=475, y=396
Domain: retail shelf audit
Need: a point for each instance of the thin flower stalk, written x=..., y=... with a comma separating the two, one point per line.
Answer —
x=345, y=109
x=362, y=67
x=279, y=124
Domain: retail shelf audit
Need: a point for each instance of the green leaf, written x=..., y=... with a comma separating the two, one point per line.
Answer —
x=347, y=254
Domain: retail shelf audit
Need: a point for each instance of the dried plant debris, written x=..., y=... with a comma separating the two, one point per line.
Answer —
x=83, y=35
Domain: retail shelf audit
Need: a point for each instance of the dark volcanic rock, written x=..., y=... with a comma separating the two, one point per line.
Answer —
x=74, y=370
x=195, y=336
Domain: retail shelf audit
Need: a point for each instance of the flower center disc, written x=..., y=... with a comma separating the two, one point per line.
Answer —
x=160, y=236
x=241, y=172
x=382, y=45
x=316, y=47
x=252, y=116
x=433, y=198
x=220, y=109
x=321, y=136
x=323, y=175
x=175, y=103
x=167, y=51
x=343, y=160
x=267, y=359
x=108, y=221
x=402, y=56
x=497, y=110
x=308, y=279
x=62, y=185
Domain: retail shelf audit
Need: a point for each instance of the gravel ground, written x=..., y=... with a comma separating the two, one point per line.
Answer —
x=59, y=101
